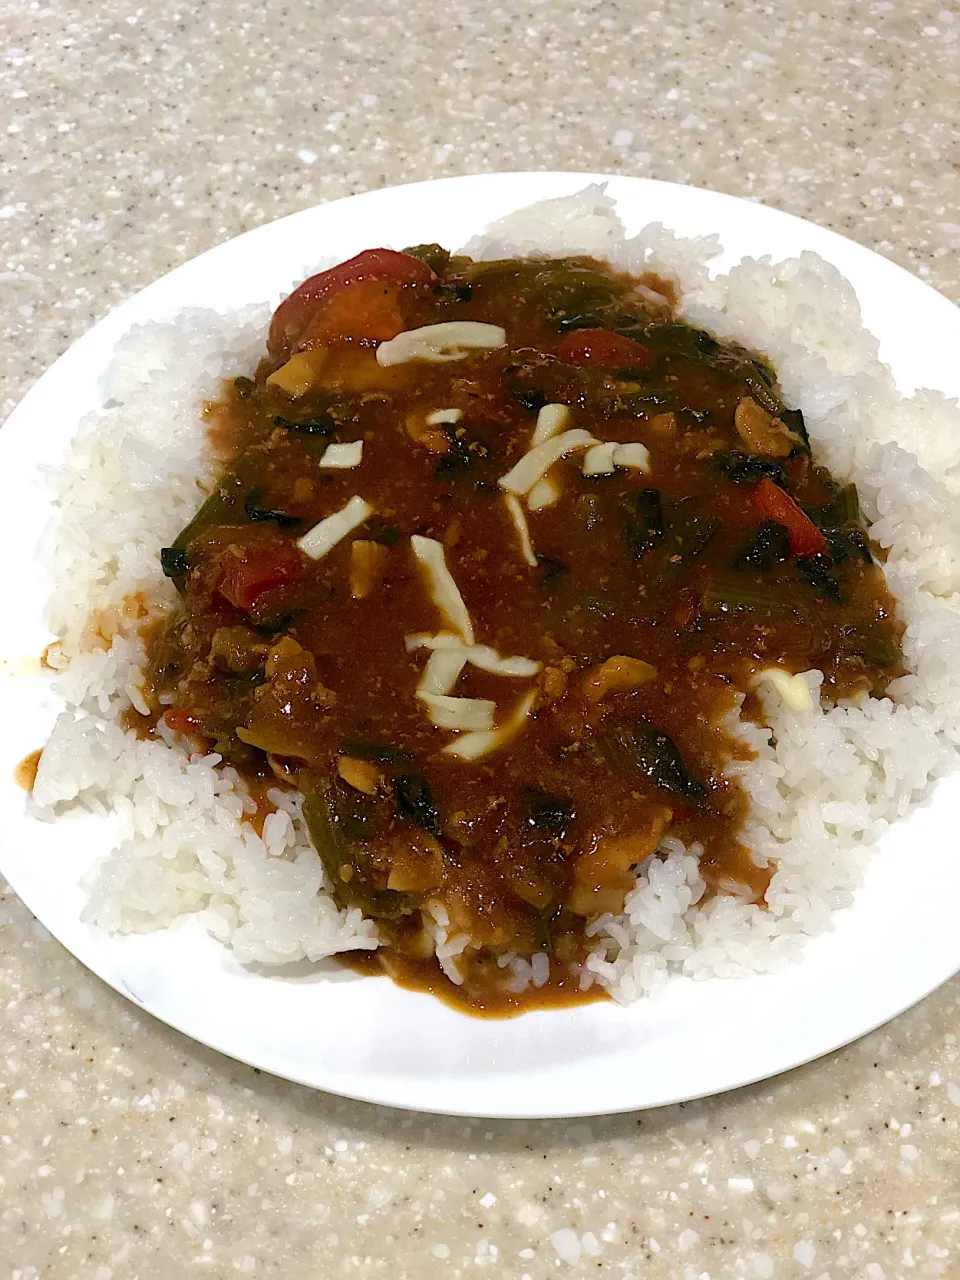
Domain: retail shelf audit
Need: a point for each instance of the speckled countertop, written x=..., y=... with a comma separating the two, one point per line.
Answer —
x=132, y=139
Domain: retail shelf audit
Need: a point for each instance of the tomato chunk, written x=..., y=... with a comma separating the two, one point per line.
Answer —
x=602, y=348
x=296, y=313
x=249, y=571
x=367, y=313
x=185, y=722
x=772, y=503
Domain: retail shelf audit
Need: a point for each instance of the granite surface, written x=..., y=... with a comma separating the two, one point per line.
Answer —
x=132, y=139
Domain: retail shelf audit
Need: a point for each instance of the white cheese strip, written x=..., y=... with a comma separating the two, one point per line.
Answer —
x=478, y=655
x=441, y=672
x=551, y=419
x=521, y=478
x=598, y=461
x=523, y=533
x=461, y=714
x=443, y=415
x=343, y=456
x=445, y=592
x=543, y=494
x=634, y=455
x=793, y=690
x=472, y=746
x=437, y=343
x=324, y=536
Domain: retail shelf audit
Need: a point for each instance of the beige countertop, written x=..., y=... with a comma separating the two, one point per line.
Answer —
x=134, y=138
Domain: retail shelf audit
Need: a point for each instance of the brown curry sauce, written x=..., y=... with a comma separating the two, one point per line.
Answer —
x=676, y=567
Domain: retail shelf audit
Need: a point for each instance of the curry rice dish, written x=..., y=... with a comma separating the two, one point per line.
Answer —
x=521, y=602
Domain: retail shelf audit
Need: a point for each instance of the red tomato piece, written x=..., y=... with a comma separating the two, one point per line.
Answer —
x=605, y=349
x=296, y=313
x=184, y=722
x=772, y=503
x=368, y=313
x=249, y=571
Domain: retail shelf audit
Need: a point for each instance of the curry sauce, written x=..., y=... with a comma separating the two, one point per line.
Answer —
x=619, y=608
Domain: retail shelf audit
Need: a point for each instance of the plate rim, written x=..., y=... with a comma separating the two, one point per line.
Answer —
x=119, y=318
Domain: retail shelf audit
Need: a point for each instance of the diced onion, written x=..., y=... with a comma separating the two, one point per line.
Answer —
x=793, y=690
x=445, y=592
x=441, y=672
x=521, y=478
x=298, y=375
x=551, y=419
x=437, y=343
x=461, y=714
x=634, y=455
x=543, y=494
x=478, y=655
x=472, y=746
x=324, y=536
x=342, y=456
x=523, y=533
x=598, y=461
x=443, y=415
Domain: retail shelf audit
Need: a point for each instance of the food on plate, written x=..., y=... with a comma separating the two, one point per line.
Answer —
x=531, y=619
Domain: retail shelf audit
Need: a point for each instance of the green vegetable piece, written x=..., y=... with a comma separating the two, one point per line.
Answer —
x=735, y=594
x=769, y=546
x=256, y=512
x=544, y=811
x=643, y=520
x=173, y=562
x=413, y=795
x=642, y=747
x=434, y=255
x=337, y=837
x=687, y=534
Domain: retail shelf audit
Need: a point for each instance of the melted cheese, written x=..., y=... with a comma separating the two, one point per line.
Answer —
x=444, y=591
x=521, y=478
x=473, y=746
x=551, y=419
x=438, y=343
x=598, y=461
x=478, y=655
x=441, y=672
x=461, y=714
x=523, y=533
x=342, y=456
x=323, y=537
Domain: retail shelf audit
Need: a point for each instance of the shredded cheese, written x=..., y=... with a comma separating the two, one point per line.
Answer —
x=598, y=461
x=342, y=456
x=323, y=537
x=462, y=714
x=543, y=494
x=792, y=689
x=472, y=746
x=521, y=478
x=445, y=592
x=635, y=456
x=437, y=343
x=478, y=655
x=523, y=533
x=441, y=672
x=443, y=415
x=551, y=419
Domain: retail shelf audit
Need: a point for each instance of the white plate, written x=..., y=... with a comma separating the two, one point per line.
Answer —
x=364, y=1037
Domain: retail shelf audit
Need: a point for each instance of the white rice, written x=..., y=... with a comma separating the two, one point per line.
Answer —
x=824, y=784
